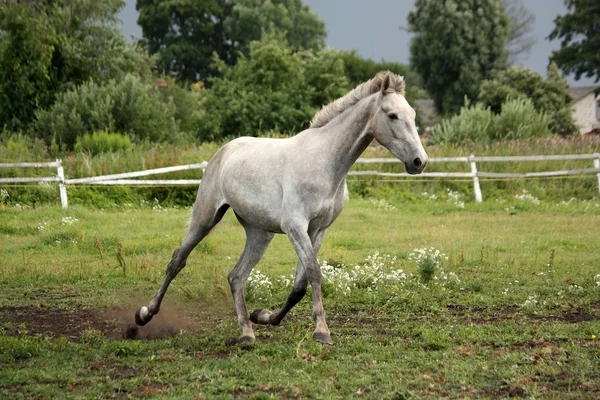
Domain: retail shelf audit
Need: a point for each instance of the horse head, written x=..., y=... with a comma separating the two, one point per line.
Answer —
x=393, y=124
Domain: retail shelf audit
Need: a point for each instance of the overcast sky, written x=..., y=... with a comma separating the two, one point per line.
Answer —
x=372, y=28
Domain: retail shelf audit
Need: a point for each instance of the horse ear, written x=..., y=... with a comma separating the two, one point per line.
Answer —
x=385, y=84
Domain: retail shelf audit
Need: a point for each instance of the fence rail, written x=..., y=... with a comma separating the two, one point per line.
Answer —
x=123, y=179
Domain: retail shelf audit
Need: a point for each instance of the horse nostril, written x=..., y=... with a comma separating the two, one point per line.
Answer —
x=417, y=162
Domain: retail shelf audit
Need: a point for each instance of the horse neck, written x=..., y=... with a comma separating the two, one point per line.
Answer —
x=349, y=135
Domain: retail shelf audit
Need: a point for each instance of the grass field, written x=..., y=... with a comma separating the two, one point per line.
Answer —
x=514, y=310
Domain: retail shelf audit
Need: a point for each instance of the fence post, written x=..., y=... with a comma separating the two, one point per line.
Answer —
x=60, y=173
x=476, y=187
x=597, y=166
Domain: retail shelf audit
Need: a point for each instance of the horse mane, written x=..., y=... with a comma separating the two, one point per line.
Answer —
x=336, y=107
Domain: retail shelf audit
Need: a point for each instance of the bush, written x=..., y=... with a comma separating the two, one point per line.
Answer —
x=188, y=101
x=129, y=106
x=102, y=142
x=473, y=123
x=517, y=120
x=520, y=120
x=550, y=96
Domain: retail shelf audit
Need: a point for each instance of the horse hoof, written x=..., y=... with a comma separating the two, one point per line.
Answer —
x=142, y=316
x=260, y=317
x=246, y=339
x=322, y=337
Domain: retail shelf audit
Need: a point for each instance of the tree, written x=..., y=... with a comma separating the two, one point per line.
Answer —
x=185, y=33
x=521, y=22
x=271, y=89
x=250, y=19
x=550, y=96
x=457, y=45
x=26, y=48
x=49, y=46
x=580, y=34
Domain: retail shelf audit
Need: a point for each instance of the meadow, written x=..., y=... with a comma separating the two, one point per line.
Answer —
x=509, y=307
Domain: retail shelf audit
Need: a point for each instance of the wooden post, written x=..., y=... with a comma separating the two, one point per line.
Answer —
x=476, y=187
x=60, y=173
x=597, y=166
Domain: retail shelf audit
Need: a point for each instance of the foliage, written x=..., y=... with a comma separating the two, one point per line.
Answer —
x=250, y=19
x=359, y=70
x=457, y=45
x=185, y=33
x=518, y=119
x=521, y=24
x=102, y=142
x=47, y=47
x=580, y=39
x=128, y=106
x=550, y=96
x=189, y=103
x=273, y=88
x=26, y=48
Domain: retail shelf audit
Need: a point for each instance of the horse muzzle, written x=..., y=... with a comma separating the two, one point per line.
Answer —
x=415, y=166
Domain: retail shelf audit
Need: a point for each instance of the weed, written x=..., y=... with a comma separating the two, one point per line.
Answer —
x=428, y=260
x=121, y=259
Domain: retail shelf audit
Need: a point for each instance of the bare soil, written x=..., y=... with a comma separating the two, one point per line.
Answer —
x=73, y=322
x=119, y=323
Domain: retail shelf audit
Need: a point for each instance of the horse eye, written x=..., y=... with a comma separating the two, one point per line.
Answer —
x=392, y=116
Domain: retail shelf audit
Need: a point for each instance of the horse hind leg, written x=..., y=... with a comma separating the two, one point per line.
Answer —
x=201, y=224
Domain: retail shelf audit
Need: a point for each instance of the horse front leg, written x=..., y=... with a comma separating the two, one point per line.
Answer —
x=302, y=244
x=298, y=290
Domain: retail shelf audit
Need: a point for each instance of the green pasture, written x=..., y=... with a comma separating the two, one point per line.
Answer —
x=522, y=320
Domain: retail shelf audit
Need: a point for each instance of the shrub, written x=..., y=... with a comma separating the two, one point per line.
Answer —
x=517, y=120
x=550, y=96
x=188, y=101
x=129, y=106
x=102, y=142
x=520, y=120
x=473, y=123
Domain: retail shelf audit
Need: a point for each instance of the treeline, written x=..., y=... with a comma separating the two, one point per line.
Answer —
x=210, y=70
x=217, y=70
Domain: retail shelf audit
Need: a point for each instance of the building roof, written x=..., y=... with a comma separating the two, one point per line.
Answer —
x=579, y=92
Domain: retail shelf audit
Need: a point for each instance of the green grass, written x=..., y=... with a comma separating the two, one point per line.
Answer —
x=520, y=323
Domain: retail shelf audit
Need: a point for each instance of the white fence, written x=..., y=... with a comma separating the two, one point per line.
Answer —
x=475, y=174
x=123, y=179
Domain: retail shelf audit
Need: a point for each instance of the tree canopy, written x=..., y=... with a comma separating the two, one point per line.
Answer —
x=271, y=89
x=185, y=33
x=579, y=31
x=49, y=46
x=457, y=45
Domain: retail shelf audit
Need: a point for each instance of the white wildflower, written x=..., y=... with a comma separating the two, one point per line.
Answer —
x=526, y=196
x=69, y=220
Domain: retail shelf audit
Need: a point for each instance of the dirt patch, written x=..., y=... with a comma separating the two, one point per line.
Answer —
x=572, y=317
x=114, y=324
x=484, y=316
x=56, y=322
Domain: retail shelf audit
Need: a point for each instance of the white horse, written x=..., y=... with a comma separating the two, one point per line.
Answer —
x=295, y=186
